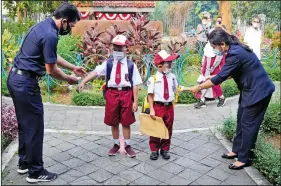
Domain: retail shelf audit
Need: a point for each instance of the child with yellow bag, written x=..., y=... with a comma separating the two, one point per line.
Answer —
x=163, y=91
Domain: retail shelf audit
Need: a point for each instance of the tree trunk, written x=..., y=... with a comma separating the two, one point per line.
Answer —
x=19, y=13
x=225, y=12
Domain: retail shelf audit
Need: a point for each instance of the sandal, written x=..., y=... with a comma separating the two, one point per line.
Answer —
x=229, y=157
x=234, y=167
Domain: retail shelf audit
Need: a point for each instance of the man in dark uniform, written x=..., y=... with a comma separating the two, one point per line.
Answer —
x=37, y=55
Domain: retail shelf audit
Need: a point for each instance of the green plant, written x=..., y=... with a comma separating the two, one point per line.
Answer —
x=229, y=127
x=272, y=120
x=269, y=30
x=193, y=60
x=18, y=29
x=10, y=48
x=229, y=88
x=88, y=99
x=274, y=73
x=67, y=47
x=267, y=160
x=4, y=88
x=186, y=98
x=5, y=141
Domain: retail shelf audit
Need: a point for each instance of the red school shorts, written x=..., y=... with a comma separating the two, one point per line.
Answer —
x=119, y=107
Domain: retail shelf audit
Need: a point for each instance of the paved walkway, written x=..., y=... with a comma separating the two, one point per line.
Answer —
x=81, y=158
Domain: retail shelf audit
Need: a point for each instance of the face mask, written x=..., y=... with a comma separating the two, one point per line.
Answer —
x=217, y=52
x=167, y=69
x=256, y=25
x=118, y=55
x=66, y=31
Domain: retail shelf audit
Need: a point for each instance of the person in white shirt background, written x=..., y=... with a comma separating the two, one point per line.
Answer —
x=122, y=79
x=253, y=36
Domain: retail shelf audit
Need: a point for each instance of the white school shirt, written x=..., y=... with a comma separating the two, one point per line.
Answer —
x=125, y=82
x=253, y=39
x=157, y=88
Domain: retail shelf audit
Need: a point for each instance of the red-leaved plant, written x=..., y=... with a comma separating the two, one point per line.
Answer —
x=9, y=125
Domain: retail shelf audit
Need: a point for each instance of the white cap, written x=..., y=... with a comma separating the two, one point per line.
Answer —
x=208, y=50
x=120, y=40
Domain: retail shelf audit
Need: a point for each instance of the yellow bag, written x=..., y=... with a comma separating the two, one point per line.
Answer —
x=145, y=104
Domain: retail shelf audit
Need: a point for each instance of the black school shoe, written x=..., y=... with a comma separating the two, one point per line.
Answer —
x=225, y=156
x=44, y=176
x=165, y=154
x=154, y=155
x=22, y=169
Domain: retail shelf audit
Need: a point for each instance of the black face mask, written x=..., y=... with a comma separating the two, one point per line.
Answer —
x=219, y=22
x=66, y=31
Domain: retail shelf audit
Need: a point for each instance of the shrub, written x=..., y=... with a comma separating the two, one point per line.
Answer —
x=88, y=99
x=5, y=141
x=229, y=128
x=274, y=73
x=193, y=60
x=9, y=125
x=267, y=160
x=4, y=87
x=229, y=88
x=272, y=120
x=186, y=98
x=67, y=47
x=276, y=40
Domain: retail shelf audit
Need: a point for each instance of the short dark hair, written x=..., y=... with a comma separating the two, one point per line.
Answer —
x=204, y=18
x=67, y=11
x=257, y=17
x=219, y=17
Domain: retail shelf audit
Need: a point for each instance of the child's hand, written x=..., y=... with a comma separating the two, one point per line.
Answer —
x=152, y=113
x=80, y=87
x=135, y=106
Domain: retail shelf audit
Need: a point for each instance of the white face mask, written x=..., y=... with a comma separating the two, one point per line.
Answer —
x=217, y=52
x=256, y=25
x=118, y=55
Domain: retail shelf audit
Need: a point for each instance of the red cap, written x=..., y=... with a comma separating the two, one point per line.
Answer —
x=164, y=56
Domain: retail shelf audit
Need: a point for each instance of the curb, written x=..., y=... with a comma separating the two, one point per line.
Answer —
x=253, y=173
x=9, y=153
x=102, y=107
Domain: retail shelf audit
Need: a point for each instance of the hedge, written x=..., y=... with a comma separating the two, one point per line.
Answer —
x=272, y=120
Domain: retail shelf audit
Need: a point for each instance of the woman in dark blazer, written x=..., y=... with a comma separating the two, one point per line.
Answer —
x=255, y=87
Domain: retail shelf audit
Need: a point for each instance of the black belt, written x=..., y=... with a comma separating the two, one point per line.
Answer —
x=163, y=103
x=25, y=73
x=119, y=88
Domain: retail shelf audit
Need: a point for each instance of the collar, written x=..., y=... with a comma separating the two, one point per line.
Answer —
x=124, y=60
x=160, y=74
x=50, y=20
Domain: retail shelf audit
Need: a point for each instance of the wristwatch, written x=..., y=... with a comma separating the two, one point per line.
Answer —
x=200, y=87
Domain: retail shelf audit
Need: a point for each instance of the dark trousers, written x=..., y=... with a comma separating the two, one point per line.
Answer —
x=25, y=93
x=167, y=113
x=249, y=120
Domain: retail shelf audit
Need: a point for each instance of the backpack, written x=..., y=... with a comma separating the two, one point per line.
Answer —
x=145, y=104
x=109, y=65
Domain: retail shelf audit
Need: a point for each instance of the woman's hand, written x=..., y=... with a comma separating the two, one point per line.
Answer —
x=195, y=89
x=152, y=113
x=209, y=77
x=80, y=71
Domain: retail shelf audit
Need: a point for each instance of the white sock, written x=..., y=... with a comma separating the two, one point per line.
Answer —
x=127, y=141
x=222, y=97
x=116, y=141
x=203, y=100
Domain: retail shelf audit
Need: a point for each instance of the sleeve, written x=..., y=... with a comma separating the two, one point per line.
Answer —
x=150, y=86
x=246, y=36
x=101, y=69
x=232, y=63
x=136, y=76
x=50, y=43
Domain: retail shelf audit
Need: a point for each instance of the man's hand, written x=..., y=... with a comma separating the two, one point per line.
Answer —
x=80, y=87
x=135, y=106
x=152, y=113
x=72, y=80
x=80, y=71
